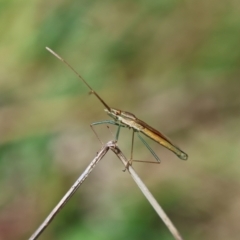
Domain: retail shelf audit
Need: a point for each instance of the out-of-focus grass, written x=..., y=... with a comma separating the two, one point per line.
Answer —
x=174, y=64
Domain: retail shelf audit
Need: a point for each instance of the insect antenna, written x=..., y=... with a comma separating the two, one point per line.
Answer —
x=91, y=90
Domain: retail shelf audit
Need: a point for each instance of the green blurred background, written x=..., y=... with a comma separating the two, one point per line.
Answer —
x=174, y=64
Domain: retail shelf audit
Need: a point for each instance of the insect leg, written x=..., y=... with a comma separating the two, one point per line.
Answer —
x=106, y=122
x=150, y=149
x=129, y=162
x=132, y=145
x=118, y=132
x=98, y=123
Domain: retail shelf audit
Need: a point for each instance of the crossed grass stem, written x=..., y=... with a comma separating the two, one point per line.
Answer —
x=103, y=151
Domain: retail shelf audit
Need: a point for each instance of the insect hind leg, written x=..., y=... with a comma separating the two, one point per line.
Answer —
x=150, y=150
x=131, y=160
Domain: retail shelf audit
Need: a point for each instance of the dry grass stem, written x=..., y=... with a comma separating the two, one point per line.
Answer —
x=110, y=145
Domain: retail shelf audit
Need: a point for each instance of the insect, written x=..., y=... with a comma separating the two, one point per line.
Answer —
x=129, y=120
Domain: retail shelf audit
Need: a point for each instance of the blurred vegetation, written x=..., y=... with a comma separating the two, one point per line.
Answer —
x=175, y=64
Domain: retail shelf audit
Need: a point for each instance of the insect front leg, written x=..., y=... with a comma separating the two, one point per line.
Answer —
x=107, y=122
